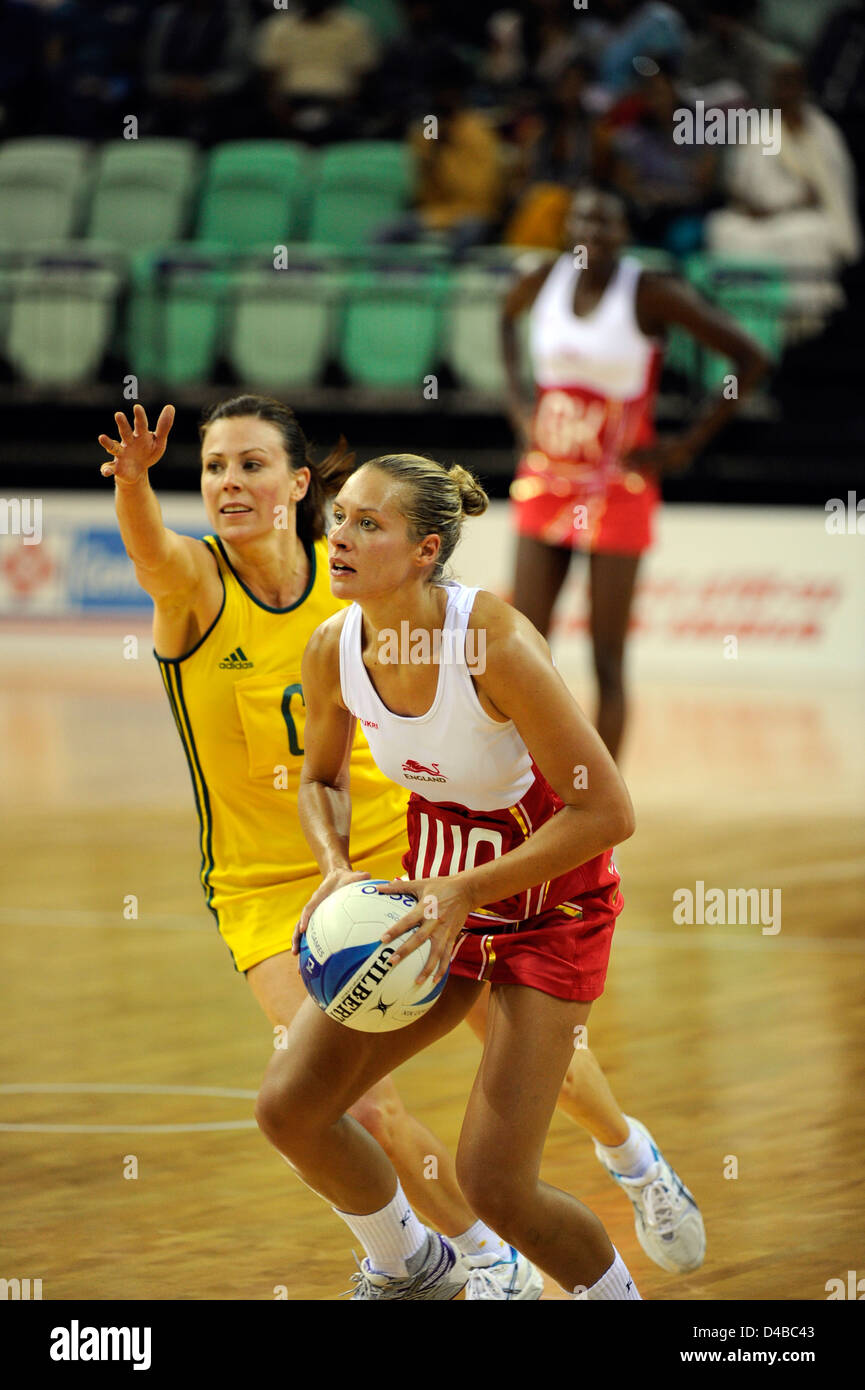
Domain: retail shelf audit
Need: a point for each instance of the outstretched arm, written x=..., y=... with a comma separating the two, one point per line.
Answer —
x=169, y=567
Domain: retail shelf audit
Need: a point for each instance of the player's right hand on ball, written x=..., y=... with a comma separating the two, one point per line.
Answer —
x=138, y=447
x=337, y=878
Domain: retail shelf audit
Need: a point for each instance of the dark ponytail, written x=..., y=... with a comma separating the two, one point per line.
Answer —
x=326, y=478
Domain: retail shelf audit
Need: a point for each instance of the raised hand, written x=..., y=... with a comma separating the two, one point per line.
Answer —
x=139, y=447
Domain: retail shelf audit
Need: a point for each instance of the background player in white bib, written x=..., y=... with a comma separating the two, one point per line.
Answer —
x=512, y=865
x=588, y=480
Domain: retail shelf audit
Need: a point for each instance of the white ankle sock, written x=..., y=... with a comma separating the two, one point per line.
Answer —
x=615, y=1285
x=390, y=1237
x=631, y=1159
x=479, y=1241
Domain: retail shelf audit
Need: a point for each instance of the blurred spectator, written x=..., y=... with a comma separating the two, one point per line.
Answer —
x=797, y=206
x=667, y=186
x=314, y=61
x=729, y=60
x=196, y=67
x=401, y=89
x=617, y=32
x=559, y=155
x=94, y=77
x=22, y=48
x=460, y=185
x=503, y=65
x=837, y=71
x=550, y=38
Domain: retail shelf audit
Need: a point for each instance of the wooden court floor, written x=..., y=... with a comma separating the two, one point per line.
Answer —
x=135, y=1040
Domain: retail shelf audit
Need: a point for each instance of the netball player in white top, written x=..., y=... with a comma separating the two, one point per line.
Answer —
x=547, y=887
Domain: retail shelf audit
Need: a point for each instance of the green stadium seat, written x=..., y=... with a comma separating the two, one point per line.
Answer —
x=474, y=325
x=390, y=255
x=282, y=321
x=34, y=150
x=143, y=191
x=754, y=293
x=10, y=260
x=255, y=194
x=385, y=16
x=359, y=187
x=392, y=323
x=43, y=184
x=652, y=257
x=474, y=333
x=62, y=311
x=176, y=322
x=522, y=259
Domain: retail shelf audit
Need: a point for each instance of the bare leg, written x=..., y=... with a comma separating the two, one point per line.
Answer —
x=540, y=573
x=612, y=588
x=529, y=1042
x=585, y=1095
x=408, y=1144
x=309, y=1087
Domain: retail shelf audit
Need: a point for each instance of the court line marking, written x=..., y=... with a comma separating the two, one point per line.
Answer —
x=125, y=1089
x=10, y=1088
x=60, y=917
x=128, y=1129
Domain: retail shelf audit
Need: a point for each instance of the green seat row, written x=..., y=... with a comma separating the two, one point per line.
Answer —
x=388, y=318
x=149, y=192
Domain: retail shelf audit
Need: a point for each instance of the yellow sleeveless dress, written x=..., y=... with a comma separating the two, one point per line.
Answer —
x=239, y=709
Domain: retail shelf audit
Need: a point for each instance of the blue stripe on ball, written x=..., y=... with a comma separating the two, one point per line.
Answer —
x=428, y=998
x=325, y=982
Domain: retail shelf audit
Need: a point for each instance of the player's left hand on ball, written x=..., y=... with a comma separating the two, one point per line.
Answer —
x=337, y=878
x=442, y=908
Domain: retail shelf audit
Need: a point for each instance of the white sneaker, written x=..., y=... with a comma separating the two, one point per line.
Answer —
x=668, y=1221
x=512, y=1278
x=436, y=1271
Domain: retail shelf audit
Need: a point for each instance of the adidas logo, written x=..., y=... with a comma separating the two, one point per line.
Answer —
x=236, y=661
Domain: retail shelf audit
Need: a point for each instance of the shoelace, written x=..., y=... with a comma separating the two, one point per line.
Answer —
x=362, y=1283
x=659, y=1205
x=482, y=1284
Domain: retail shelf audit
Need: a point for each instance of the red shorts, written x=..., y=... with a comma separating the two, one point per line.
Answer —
x=560, y=502
x=564, y=951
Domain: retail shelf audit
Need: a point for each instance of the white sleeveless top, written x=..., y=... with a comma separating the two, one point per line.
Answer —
x=455, y=752
x=604, y=351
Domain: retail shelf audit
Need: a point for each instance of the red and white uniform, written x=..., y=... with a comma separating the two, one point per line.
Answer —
x=596, y=379
x=458, y=763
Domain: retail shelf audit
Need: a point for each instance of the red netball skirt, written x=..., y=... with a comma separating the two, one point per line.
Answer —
x=564, y=503
x=555, y=936
x=564, y=951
